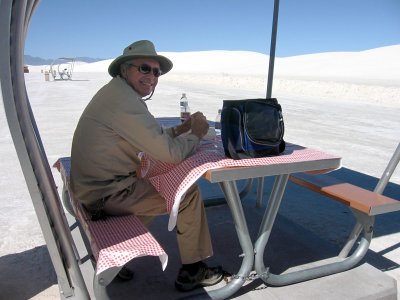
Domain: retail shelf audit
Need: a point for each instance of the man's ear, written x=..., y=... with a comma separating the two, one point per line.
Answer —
x=122, y=70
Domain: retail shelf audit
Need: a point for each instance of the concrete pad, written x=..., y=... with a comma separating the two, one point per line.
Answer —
x=364, y=282
x=308, y=228
x=290, y=245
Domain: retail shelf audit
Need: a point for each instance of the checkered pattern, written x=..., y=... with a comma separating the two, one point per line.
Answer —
x=109, y=239
x=173, y=180
x=117, y=240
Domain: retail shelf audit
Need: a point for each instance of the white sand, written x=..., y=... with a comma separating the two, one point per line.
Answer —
x=344, y=103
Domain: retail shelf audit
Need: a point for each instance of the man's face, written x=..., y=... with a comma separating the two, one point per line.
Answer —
x=144, y=84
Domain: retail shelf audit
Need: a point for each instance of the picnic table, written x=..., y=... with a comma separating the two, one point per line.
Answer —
x=210, y=162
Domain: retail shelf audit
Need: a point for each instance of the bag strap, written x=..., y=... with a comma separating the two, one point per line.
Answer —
x=235, y=155
x=232, y=153
x=231, y=150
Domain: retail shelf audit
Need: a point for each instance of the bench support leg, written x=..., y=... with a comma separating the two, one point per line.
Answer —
x=353, y=237
x=67, y=201
x=99, y=290
x=100, y=282
x=363, y=222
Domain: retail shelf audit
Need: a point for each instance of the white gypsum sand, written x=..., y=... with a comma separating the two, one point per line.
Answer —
x=344, y=103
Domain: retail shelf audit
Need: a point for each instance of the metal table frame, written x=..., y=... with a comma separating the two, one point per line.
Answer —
x=253, y=254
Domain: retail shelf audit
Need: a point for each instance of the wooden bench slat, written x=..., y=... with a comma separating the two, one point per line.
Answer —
x=351, y=195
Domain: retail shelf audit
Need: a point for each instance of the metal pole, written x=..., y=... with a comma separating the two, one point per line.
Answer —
x=260, y=187
x=272, y=49
x=388, y=171
x=14, y=20
x=232, y=197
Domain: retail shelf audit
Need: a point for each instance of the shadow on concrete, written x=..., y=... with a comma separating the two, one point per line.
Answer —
x=26, y=274
x=309, y=227
x=385, y=224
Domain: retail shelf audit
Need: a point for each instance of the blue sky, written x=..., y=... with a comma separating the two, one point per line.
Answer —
x=101, y=29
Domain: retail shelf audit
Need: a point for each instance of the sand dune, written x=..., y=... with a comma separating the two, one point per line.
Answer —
x=375, y=66
x=372, y=76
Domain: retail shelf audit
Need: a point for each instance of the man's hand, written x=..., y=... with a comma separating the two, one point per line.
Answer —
x=188, y=125
x=185, y=126
x=199, y=124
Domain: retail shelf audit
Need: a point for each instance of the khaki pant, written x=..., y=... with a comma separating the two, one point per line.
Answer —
x=144, y=201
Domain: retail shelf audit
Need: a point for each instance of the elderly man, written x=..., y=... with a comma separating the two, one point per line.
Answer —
x=113, y=129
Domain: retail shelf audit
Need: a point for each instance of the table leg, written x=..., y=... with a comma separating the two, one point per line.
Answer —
x=260, y=192
x=278, y=189
x=208, y=202
x=268, y=221
x=233, y=199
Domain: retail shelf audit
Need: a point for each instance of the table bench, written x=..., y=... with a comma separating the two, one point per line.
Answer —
x=112, y=242
x=365, y=204
x=360, y=199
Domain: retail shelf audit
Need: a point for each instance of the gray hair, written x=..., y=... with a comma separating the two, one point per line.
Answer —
x=122, y=70
x=124, y=67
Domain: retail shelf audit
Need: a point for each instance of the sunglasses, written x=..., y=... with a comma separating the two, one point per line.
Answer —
x=146, y=69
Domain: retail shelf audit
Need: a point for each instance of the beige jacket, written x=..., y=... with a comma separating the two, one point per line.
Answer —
x=115, y=126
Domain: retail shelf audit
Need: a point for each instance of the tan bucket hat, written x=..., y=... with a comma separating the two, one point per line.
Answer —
x=139, y=49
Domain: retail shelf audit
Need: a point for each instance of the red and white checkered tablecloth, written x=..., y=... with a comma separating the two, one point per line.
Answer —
x=119, y=239
x=173, y=180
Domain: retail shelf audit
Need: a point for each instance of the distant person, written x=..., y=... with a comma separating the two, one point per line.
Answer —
x=117, y=125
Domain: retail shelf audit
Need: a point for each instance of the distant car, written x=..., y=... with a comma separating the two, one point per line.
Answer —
x=26, y=69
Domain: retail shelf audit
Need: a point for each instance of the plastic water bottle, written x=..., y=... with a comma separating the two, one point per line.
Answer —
x=217, y=124
x=185, y=110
